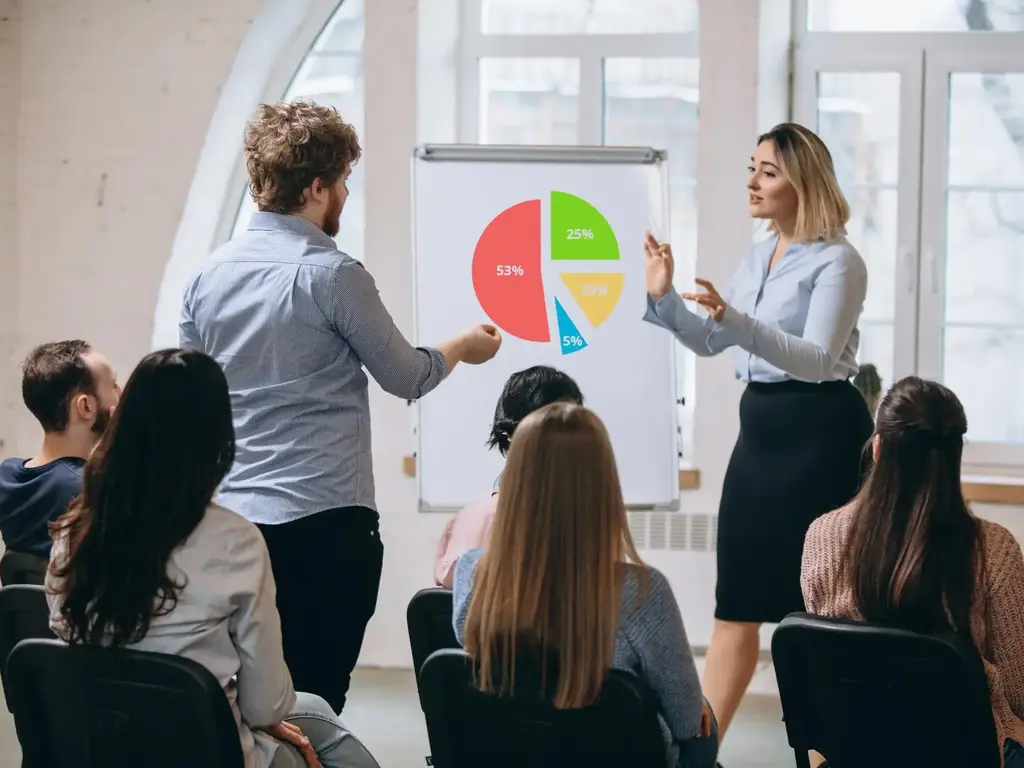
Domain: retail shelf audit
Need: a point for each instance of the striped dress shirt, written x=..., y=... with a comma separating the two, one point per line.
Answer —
x=293, y=321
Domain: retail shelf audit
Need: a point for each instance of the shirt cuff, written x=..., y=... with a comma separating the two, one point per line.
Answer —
x=662, y=305
x=437, y=359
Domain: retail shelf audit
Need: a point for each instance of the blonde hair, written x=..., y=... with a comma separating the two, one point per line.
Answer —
x=822, y=209
x=551, y=578
x=290, y=145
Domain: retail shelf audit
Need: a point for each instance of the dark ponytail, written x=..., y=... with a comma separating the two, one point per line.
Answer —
x=914, y=548
x=525, y=392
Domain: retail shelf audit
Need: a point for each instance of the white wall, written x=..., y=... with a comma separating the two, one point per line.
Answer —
x=9, y=73
x=114, y=100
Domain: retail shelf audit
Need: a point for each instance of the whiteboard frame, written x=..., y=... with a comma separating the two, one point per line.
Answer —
x=502, y=153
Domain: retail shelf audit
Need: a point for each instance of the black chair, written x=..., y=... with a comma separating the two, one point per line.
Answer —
x=93, y=707
x=429, y=618
x=469, y=729
x=864, y=695
x=22, y=568
x=23, y=615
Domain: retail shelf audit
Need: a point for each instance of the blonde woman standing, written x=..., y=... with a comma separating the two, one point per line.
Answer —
x=561, y=573
x=790, y=317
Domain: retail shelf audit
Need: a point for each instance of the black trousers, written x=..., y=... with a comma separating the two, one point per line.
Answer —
x=327, y=568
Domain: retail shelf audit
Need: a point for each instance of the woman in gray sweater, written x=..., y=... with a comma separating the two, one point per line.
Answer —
x=561, y=572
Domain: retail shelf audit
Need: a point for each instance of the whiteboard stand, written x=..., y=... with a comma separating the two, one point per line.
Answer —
x=625, y=367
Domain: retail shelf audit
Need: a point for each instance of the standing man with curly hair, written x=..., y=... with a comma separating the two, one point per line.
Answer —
x=293, y=322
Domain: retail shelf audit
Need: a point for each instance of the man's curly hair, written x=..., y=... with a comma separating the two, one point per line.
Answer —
x=289, y=145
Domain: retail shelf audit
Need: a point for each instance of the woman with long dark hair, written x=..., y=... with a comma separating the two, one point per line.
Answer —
x=908, y=553
x=145, y=560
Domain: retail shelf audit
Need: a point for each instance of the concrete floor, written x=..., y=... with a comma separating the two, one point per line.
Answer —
x=384, y=711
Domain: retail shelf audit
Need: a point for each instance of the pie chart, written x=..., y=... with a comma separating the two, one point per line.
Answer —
x=508, y=270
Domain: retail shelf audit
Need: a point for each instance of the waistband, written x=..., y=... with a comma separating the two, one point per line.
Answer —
x=792, y=385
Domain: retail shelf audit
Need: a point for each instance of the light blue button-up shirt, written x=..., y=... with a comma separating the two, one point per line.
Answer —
x=292, y=321
x=798, y=321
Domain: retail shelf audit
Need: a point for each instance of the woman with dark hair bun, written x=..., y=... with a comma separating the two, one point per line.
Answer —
x=908, y=553
x=525, y=392
x=144, y=559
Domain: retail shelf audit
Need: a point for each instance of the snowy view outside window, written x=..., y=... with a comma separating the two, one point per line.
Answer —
x=981, y=218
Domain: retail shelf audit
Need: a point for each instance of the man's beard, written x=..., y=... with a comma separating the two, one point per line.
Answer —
x=99, y=427
x=332, y=216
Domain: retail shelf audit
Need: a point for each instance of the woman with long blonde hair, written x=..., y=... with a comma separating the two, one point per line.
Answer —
x=561, y=573
x=790, y=316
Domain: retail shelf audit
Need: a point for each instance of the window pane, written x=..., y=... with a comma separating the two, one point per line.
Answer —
x=987, y=365
x=577, y=17
x=653, y=102
x=986, y=129
x=983, y=341
x=914, y=16
x=529, y=101
x=344, y=32
x=858, y=118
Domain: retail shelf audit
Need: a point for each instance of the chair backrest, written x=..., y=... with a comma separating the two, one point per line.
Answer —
x=23, y=615
x=468, y=728
x=22, y=568
x=866, y=695
x=93, y=707
x=429, y=617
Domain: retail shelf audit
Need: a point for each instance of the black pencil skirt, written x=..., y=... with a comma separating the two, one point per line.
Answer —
x=800, y=453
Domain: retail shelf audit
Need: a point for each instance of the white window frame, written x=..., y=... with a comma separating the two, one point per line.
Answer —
x=589, y=50
x=924, y=62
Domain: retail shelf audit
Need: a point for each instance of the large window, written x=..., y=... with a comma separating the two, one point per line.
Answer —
x=927, y=132
x=589, y=72
x=332, y=75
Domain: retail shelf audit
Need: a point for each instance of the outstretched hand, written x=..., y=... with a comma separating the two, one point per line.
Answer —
x=710, y=299
x=659, y=267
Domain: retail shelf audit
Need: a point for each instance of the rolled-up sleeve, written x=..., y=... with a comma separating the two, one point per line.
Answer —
x=361, y=318
x=188, y=334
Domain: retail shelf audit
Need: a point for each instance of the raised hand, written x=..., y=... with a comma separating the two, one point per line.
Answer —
x=710, y=299
x=659, y=267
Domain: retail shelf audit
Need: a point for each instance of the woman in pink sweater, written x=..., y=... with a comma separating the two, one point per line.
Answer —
x=907, y=552
x=524, y=392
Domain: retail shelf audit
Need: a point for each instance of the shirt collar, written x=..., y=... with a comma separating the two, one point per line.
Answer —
x=276, y=222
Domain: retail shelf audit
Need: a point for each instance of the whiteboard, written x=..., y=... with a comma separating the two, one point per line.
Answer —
x=547, y=244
